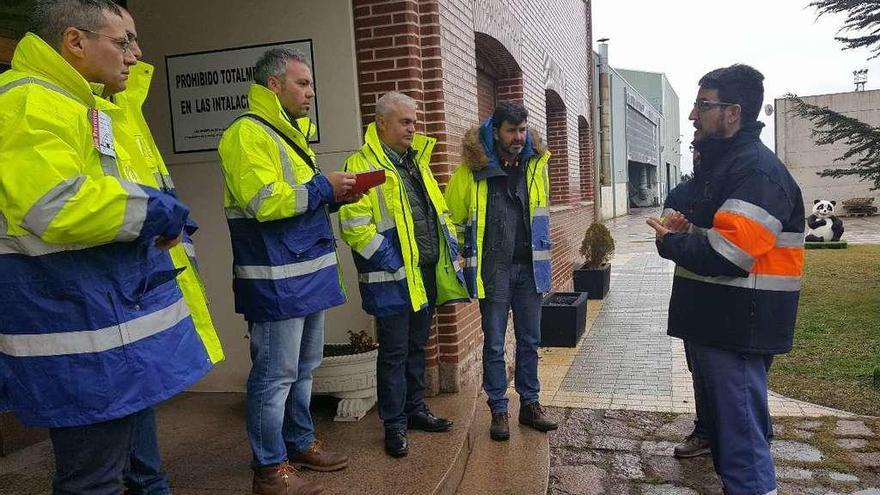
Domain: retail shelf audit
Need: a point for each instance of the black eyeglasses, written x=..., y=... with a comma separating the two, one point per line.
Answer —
x=706, y=105
x=123, y=44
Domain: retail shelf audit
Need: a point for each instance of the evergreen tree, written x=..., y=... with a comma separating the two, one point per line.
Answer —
x=862, y=140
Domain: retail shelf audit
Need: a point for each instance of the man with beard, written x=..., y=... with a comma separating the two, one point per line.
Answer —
x=737, y=276
x=499, y=198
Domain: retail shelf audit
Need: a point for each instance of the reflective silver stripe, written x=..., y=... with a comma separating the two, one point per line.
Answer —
x=730, y=251
x=301, y=200
x=286, y=165
x=772, y=492
x=370, y=249
x=541, y=256
x=470, y=262
x=256, y=202
x=380, y=277
x=31, y=245
x=164, y=181
x=91, y=341
x=790, y=239
x=135, y=212
x=753, y=212
x=285, y=271
x=189, y=249
x=541, y=211
x=234, y=213
x=108, y=166
x=777, y=283
x=4, y=227
x=40, y=82
x=350, y=223
x=45, y=210
x=385, y=222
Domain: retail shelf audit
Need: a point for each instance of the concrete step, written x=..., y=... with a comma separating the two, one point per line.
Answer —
x=205, y=450
x=519, y=466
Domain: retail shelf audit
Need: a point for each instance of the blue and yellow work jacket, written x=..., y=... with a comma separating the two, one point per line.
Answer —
x=277, y=207
x=93, y=326
x=467, y=196
x=379, y=229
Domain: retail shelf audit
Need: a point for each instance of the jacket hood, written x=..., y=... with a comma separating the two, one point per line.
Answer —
x=34, y=56
x=478, y=146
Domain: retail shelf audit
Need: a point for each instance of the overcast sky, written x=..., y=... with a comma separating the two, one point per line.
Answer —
x=687, y=38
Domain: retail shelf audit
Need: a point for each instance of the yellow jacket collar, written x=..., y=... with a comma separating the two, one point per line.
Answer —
x=371, y=139
x=34, y=56
x=263, y=102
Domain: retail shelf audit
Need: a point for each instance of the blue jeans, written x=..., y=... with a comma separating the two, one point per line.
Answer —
x=92, y=458
x=400, y=365
x=279, y=388
x=144, y=475
x=736, y=416
x=525, y=302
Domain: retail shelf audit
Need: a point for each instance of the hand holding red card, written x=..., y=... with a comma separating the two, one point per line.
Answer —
x=364, y=181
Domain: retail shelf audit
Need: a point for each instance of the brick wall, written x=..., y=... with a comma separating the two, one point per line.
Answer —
x=431, y=50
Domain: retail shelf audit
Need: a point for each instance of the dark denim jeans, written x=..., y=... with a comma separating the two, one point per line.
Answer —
x=92, y=458
x=526, y=305
x=279, y=388
x=144, y=475
x=400, y=366
x=732, y=387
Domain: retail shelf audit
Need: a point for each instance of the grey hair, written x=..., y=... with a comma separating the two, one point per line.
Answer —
x=385, y=105
x=274, y=62
x=50, y=18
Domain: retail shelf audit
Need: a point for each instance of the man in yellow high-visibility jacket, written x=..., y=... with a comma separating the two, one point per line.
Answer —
x=405, y=251
x=499, y=198
x=93, y=329
x=286, y=271
x=144, y=165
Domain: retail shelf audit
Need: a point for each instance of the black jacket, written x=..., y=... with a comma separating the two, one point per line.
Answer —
x=738, y=273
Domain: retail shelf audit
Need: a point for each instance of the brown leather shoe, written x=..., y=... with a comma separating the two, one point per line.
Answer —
x=282, y=479
x=533, y=415
x=317, y=458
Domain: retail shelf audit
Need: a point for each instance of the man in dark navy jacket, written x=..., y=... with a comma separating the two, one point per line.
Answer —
x=738, y=274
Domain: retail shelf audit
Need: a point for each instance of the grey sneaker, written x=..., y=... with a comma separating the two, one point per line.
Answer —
x=693, y=446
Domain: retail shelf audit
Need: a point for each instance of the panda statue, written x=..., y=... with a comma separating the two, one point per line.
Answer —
x=823, y=225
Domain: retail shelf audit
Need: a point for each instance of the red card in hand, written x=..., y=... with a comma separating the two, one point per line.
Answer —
x=364, y=181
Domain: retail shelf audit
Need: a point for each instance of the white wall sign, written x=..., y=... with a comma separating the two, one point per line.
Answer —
x=208, y=90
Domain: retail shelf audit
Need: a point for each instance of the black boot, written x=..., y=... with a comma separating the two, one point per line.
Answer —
x=533, y=415
x=395, y=443
x=500, y=429
x=426, y=421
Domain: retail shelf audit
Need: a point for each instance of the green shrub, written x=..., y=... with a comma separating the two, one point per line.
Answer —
x=598, y=246
x=361, y=341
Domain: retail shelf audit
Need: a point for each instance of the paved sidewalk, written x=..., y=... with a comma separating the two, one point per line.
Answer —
x=626, y=360
x=861, y=230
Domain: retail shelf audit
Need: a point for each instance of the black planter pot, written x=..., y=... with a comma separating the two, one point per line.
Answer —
x=563, y=318
x=594, y=282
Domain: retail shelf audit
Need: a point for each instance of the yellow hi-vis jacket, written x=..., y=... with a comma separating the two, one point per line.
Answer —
x=379, y=228
x=92, y=325
x=467, y=197
x=277, y=206
x=144, y=165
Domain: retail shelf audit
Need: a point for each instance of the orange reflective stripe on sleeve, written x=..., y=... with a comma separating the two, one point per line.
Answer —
x=787, y=261
x=750, y=236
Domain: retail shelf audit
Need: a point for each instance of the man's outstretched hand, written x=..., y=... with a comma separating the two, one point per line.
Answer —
x=673, y=223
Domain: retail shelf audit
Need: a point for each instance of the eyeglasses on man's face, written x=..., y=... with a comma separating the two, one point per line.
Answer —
x=706, y=105
x=123, y=44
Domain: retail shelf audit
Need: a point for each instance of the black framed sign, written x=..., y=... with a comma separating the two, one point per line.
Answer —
x=208, y=90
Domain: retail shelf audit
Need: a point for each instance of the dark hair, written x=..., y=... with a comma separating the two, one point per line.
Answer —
x=508, y=111
x=50, y=18
x=740, y=84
